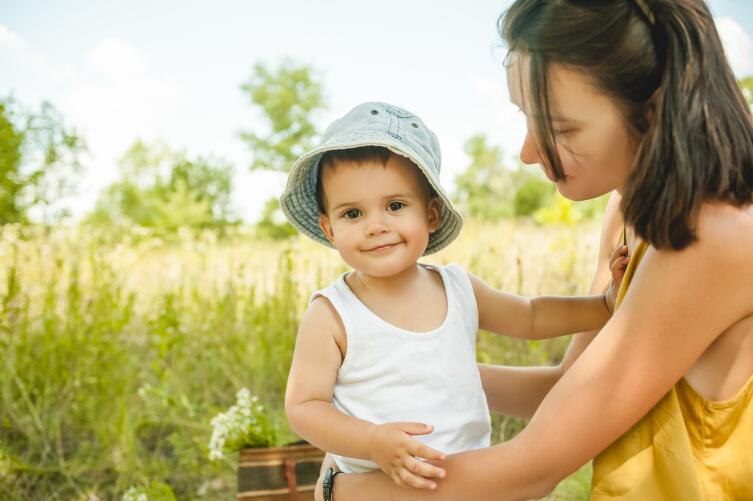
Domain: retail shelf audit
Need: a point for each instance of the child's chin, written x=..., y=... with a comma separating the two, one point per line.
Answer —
x=384, y=269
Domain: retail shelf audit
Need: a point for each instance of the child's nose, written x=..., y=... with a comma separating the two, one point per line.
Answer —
x=375, y=225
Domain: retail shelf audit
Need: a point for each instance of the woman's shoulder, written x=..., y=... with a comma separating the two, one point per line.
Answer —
x=718, y=264
x=726, y=227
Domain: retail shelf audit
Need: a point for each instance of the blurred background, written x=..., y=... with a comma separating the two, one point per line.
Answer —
x=146, y=271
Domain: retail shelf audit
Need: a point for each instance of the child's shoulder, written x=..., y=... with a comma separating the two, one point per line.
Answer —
x=321, y=312
x=321, y=319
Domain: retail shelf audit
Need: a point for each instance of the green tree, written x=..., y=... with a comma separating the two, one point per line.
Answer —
x=39, y=162
x=533, y=193
x=164, y=189
x=484, y=190
x=288, y=96
x=272, y=224
x=490, y=191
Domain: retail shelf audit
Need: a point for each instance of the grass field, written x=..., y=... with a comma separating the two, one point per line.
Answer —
x=118, y=350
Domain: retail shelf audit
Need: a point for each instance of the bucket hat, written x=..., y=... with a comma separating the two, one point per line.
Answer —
x=370, y=124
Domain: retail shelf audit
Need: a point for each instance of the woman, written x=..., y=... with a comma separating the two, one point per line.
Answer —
x=633, y=96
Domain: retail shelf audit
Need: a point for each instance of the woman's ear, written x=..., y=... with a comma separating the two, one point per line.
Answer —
x=326, y=228
x=434, y=214
x=651, y=107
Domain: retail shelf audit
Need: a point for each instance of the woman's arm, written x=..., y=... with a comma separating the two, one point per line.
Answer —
x=612, y=227
x=518, y=391
x=678, y=303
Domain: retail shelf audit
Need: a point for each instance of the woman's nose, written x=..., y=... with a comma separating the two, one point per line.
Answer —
x=529, y=153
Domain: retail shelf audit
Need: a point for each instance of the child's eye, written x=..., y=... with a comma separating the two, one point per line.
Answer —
x=395, y=206
x=351, y=213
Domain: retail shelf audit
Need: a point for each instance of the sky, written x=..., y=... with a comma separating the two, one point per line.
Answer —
x=172, y=70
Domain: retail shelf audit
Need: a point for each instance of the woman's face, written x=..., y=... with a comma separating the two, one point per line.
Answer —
x=593, y=140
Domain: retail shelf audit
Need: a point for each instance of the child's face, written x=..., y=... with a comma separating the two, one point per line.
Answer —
x=378, y=217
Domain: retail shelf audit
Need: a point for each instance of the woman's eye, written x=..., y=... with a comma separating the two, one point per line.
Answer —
x=351, y=214
x=395, y=206
x=563, y=132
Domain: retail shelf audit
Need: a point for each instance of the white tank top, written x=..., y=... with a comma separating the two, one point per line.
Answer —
x=391, y=374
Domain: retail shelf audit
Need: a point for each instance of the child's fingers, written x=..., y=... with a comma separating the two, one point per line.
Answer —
x=417, y=449
x=415, y=428
x=423, y=469
x=619, y=252
x=620, y=264
x=409, y=478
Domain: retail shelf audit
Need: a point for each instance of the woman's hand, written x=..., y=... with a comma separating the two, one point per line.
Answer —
x=400, y=456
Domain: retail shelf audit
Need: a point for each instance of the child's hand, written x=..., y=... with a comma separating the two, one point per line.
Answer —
x=618, y=262
x=397, y=454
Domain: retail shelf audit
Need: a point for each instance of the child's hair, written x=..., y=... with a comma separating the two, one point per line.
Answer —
x=699, y=144
x=359, y=156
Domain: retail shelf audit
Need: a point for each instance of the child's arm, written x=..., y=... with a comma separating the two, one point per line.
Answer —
x=319, y=349
x=546, y=316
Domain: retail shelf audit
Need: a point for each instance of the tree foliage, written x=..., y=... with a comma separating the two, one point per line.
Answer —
x=40, y=162
x=165, y=189
x=488, y=190
x=288, y=96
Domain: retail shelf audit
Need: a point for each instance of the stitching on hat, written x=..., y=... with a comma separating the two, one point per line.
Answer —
x=398, y=112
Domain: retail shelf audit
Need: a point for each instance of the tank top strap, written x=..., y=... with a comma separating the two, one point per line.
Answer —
x=347, y=305
x=459, y=287
x=635, y=258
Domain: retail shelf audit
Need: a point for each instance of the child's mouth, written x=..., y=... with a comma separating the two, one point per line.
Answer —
x=381, y=248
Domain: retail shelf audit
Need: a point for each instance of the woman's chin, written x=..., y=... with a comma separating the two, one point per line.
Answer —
x=570, y=189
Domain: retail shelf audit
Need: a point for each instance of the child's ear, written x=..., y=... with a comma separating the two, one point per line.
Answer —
x=435, y=214
x=326, y=227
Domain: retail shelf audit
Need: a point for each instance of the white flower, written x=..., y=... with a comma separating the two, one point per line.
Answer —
x=135, y=494
x=236, y=424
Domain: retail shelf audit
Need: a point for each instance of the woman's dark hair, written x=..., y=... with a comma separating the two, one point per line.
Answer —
x=698, y=145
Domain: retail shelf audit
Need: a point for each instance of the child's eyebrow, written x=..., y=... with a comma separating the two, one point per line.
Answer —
x=386, y=197
x=343, y=205
x=401, y=195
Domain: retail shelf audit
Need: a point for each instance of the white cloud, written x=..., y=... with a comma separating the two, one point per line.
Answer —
x=737, y=45
x=10, y=41
x=113, y=58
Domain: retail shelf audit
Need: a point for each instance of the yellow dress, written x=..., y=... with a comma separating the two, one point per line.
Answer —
x=686, y=448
